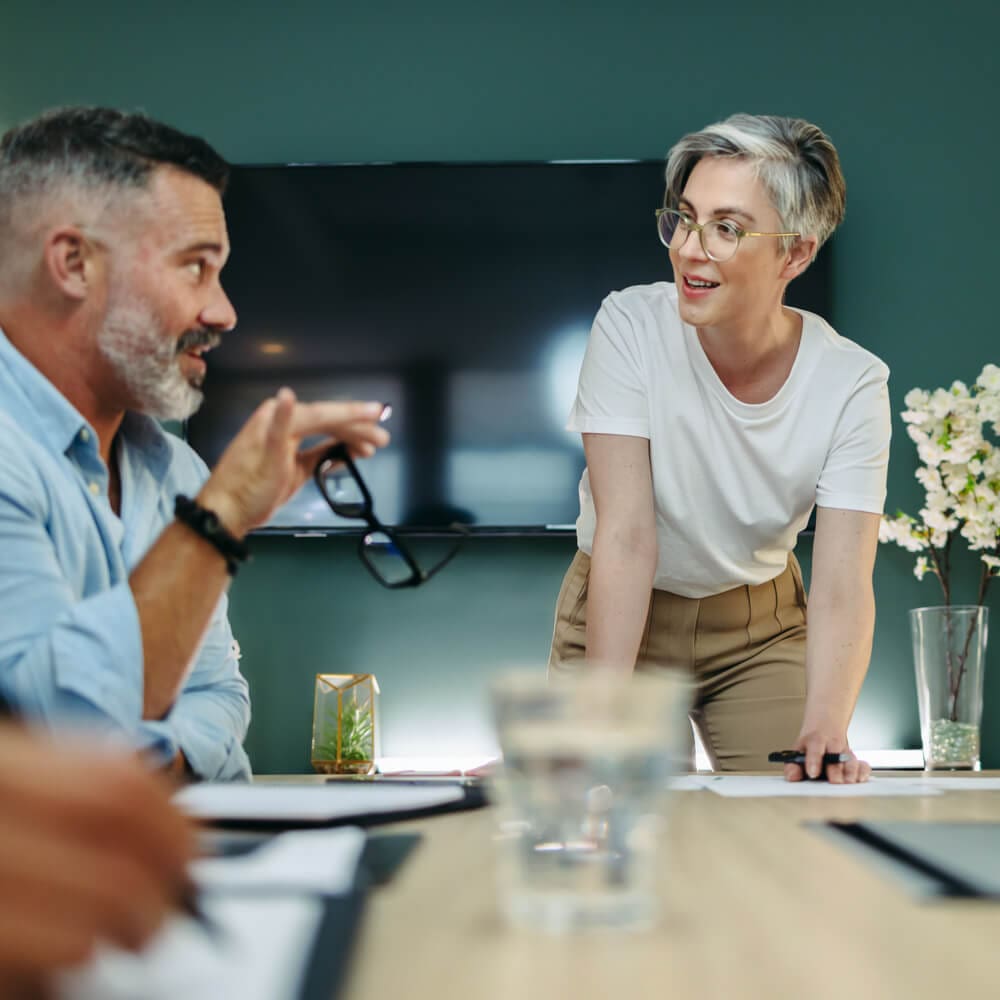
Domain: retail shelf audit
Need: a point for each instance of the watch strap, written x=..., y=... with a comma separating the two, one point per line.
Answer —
x=206, y=523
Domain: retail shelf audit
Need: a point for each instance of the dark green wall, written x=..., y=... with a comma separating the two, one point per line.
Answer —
x=909, y=99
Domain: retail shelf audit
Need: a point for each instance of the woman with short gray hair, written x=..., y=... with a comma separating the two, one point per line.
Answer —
x=714, y=419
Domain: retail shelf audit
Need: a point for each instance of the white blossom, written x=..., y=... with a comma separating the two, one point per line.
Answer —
x=959, y=471
x=940, y=404
x=917, y=399
x=989, y=379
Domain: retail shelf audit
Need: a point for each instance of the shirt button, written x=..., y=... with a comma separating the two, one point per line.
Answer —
x=84, y=435
x=95, y=488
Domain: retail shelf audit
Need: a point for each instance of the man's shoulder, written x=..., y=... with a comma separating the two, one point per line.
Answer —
x=18, y=445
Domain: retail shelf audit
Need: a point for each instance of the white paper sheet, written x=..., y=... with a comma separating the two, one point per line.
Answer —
x=263, y=955
x=957, y=784
x=751, y=785
x=321, y=861
x=267, y=905
x=309, y=803
x=688, y=782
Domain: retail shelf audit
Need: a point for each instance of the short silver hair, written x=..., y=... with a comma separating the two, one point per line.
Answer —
x=95, y=155
x=794, y=160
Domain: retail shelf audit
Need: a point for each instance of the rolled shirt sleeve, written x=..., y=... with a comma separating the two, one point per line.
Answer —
x=210, y=718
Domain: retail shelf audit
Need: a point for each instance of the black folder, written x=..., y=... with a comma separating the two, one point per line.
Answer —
x=473, y=797
x=951, y=859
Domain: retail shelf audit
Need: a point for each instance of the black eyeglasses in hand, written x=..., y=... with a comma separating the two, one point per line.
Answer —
x=383, y=552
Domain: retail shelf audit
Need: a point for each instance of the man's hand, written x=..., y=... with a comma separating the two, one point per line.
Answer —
x=90, y=849
x=264, y=466
x=816, y=742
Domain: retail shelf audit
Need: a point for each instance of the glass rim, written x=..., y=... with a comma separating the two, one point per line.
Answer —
x=951, y=608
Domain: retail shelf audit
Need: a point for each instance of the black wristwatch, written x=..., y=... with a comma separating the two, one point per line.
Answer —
x=206, y=523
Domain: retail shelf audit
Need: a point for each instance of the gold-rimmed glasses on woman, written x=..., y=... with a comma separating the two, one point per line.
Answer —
x=719, y=239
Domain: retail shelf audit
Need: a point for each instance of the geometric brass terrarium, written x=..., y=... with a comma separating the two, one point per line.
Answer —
x=344, y=712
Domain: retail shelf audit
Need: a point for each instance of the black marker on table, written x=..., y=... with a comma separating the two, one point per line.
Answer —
x=799, y=757
x=189, y=905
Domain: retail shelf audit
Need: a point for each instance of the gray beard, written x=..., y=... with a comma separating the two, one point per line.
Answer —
x=146, y=362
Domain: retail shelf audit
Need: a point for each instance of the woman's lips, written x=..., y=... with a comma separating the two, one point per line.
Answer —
x=697, y=291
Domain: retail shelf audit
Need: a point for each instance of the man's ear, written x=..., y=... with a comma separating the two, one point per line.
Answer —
x=71, y=262
x=799, y=256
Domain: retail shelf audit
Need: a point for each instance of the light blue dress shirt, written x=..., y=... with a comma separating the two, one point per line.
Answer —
x=70, y=643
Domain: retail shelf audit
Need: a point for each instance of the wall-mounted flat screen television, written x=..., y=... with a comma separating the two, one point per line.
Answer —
x=460, y=293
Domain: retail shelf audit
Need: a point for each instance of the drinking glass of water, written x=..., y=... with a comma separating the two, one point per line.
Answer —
x=582, y=794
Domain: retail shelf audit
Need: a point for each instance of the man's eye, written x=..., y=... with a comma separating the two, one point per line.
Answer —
x=728, y=231
x=197, y=268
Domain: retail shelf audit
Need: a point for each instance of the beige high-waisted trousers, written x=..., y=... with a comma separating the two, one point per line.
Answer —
x=745, y=650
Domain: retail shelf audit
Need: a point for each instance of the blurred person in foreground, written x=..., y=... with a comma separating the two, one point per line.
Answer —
x=91, y=851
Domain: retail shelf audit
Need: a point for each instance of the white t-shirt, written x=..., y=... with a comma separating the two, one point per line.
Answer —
x=733, y=483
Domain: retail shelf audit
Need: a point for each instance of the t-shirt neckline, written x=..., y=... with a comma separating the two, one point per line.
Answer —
x=706, y=372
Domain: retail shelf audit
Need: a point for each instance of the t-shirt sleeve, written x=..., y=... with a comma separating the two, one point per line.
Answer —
x=611, y=394
x=854, y=474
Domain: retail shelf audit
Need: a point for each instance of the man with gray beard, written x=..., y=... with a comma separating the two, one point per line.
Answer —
x=116, y=544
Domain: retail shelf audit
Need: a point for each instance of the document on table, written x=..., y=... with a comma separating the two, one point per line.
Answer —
x=758, y=786
x=688, y=782
x=318, y=861
x=956, y=784
x=269, y=907
x=264, y=954
x=328, y=803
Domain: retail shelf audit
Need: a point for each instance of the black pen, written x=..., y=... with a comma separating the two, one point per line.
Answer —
x=188, y=904
x=799, y=757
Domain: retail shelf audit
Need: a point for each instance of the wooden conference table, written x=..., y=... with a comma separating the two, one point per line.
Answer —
x=759, y=906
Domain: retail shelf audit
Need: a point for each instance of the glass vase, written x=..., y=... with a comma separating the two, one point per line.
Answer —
x=344, y=723
x=949, y=650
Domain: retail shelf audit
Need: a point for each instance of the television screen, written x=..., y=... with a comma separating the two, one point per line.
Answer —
x=463, y=295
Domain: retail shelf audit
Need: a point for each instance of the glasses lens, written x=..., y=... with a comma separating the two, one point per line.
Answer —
x=341, y=491
x=721, y=240
x=666, y=224
x=383, y=554
x=423, y=556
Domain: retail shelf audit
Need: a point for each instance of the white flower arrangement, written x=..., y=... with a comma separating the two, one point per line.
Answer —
x=960, y=473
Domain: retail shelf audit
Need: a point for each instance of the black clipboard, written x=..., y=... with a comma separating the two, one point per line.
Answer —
x=340, y=925
x=943, y=854
x=333, y=946
x=473, y=797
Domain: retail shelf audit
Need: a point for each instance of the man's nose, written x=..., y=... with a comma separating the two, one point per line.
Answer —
x=219, y=314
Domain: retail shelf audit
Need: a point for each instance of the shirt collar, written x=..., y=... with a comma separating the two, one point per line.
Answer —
x=33, y=401
x=146, y=441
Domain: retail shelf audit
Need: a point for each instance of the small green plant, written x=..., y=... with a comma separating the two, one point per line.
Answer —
x=356, y=733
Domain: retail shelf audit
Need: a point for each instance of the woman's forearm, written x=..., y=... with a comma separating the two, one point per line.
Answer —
x=838, y=651
x=621, y=578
